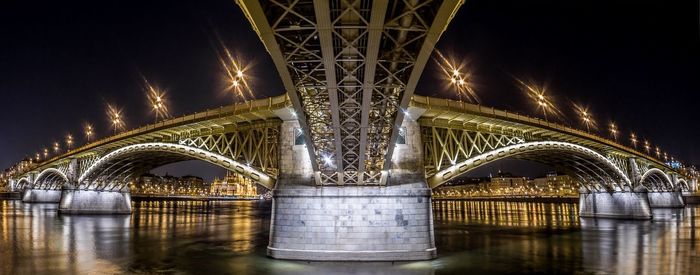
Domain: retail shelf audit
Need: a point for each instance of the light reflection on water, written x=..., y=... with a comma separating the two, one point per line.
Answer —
x=231, y=238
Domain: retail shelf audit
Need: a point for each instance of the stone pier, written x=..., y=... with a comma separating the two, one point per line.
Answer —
x=391, y=222
x=666, y=199
x=75, y=201
x=41, y=195
x=617, y=205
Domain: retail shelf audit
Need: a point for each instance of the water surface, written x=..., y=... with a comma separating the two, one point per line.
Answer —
x=231, y=237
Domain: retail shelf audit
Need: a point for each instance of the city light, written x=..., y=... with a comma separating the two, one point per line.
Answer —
x=460, y=80
x=69, y=141
x=156, y=100
x=327, y=160
x=613, y=130
x=647, y=146
x=38, y=156
x=115, y=118
x=586, y=117
x=633, y=139
x=236, y=79
x=88, y=131
x=56, y=147
x=539, y=97
x=46, y=153
x=658, y=152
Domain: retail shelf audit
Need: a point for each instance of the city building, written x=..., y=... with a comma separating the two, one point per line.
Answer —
x=233, y=184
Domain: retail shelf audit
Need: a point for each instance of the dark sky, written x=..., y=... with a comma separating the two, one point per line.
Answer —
x=636, y=62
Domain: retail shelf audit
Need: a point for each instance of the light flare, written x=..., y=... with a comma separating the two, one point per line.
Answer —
x=156, y=100
x=236, y=79
x=460, y=77
x=539, y=97
x=586, y=117
x=115, y=117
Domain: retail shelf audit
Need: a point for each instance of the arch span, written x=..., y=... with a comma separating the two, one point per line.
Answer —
x=684, y=184
x=133, y=160
x=50, y=177
x=658, y=179
x=22, y=183
x=581, y=161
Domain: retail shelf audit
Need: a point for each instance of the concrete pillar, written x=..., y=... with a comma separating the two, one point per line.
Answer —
x=666, y=199
x=352, y=223
x=618, y=205
x=41, y=195
x=74, y=201
x=12, y=183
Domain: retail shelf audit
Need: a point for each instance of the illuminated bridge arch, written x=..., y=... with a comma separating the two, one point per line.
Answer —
x=586, y=164
x=50, y=178
x=128, y=162
x=655, y=179
x=22, y=183
x=683, y=184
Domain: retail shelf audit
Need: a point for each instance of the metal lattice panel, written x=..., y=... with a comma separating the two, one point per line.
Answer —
x=255, y=146
x=443, y=147
x=348, y=67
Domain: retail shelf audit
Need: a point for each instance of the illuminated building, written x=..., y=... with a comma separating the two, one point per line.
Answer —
x=233, y=185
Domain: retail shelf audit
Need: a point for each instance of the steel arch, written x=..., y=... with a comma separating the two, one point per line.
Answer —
x=525, y=148
x=186, y=151
x=662, y=178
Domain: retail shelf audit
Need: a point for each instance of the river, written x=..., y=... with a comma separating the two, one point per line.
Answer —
x=230, y=237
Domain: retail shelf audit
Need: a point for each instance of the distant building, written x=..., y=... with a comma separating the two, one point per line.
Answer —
x=233, y=184
x=506, y=184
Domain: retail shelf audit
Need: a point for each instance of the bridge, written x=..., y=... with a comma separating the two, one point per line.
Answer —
x=350, y=152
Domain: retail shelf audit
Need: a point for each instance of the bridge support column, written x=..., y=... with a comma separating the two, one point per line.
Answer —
x=617, y=205
x=352, y=223
x=392, y=223
x=41, y=195
x=666, y=199
x=75, y=201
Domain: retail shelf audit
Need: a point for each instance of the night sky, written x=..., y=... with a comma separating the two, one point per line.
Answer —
x=61, y=62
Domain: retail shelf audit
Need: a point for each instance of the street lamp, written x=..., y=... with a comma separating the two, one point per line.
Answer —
x=115, y=118
x=585, y=117
x=647, y=146
x=156, y=100
x=613, y=130
x=69, y=141
x=540, y=98
x=88, y=131
x=235, y=75
x=46, y=153
x=633, y=139
x=56, y=147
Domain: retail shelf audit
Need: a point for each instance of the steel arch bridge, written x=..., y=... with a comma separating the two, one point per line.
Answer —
x=241, y=138
x=455, y=138
x=458, y=137
x=350, y=69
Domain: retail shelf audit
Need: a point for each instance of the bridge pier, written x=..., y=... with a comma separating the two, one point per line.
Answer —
x=392, y=222
x=352, y=223
x=617, y=205
x=672, y=199
x=41, y=196
x=74, y=201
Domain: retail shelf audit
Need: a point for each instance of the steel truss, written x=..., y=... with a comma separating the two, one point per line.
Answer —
x=253, y=145
x=450, y=152
x=349, y=66
x=444, y=147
